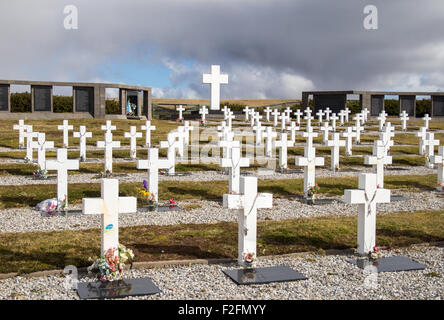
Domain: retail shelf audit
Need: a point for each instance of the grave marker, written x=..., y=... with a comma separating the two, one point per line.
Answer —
x=108, y=144
x=41, y=145
x=21, y=129
x=234, y=164
x=335, y=144
x=65, y=127
x=348, y=134
x=283, y=145
x=215, y=79
x=439, y=160
x=133, y=135
x=430, y=144
x=378, y=160
x=82, y=134
x=148, y=128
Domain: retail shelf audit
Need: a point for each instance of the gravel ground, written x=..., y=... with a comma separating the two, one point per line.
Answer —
x=213, y=175
x=203, y=212
x=329, y=277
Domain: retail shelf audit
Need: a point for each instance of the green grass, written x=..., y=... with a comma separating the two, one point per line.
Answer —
x=37, y=251
x=30, y=195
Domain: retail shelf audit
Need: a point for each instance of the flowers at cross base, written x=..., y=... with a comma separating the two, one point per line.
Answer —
x=40, y=173
x=249, y=257
x=150, y=197
x=202, y=123
x=313, y=190
x=110, y=266
x=27, y=160
x=375, y=253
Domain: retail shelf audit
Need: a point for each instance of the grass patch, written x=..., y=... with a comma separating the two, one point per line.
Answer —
x=37, y=251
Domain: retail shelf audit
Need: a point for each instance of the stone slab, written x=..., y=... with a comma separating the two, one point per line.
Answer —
x=116, y=289
x=264, y=275
x=395, y=198
x=390, y=264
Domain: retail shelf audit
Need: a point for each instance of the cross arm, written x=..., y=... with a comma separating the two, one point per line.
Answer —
x=127, y=204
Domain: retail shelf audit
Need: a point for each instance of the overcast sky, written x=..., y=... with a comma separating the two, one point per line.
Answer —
x=268, y=48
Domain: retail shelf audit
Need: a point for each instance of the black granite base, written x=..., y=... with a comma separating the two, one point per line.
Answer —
x=116, y=289
x=395, y=198
x=264, y=275
x=389, y=264
x=289, y=171
x=177, y=174
x=171, y=208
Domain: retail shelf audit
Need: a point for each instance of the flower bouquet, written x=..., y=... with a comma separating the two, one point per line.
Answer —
x=48, y=207
x=375, y=253
x=149, y=196
x=202, y=123
x=249, y=259
x=40, y=173
x=109, y=266
x=311, y=193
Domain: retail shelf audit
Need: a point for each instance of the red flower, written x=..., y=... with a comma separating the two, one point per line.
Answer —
x=172, y=201
x=375, y=249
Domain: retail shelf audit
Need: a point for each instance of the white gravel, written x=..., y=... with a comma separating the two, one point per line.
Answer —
x=329, y=277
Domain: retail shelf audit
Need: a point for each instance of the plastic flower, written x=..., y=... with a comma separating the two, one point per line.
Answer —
x=145, y=185
x=172, y=201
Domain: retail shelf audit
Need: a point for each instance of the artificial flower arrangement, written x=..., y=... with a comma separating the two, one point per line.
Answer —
x=202, y=123
x=179, y=120
x=40, y=173
x=106, y=174
x=312, y=191
x=27, y=160
x=150, y=197
x=249, y=258
x=283, y=168
x=110, y=265
x=375, y=253
x=50, y=207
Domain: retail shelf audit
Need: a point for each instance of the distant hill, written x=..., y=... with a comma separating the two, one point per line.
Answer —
x=247, y=102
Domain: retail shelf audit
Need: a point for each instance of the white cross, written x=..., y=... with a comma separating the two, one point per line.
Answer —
x=203, y=111
x=267, y=111
x=333, y=119
x=21, y=129
x=181, y=109
x=153, y=164
x=308, y=118
x=247, y=112
x=223, y=126
x=327, y=113
x=269, y=135
x=439, y=160
x=180, y=134
x=309, y=162
x=230, y=118
x=234, y=164
x=227, y=143
x=335, y=144
x=326, y=129
x=430, y=144
x=275, y=115
x=365, y=113
x=82, y=134
x=367, y=196
x=65, y=127
x=298, y=115
x=309, y=134
x=288, y=112
x=148, y=128
x=62, y=165
x=357, y=127
x=108, y=127
x=215, y=79
x=426, y=120
x=172, y=144
x=133, y=135
x=283, y=119
x=188, y=128
x=29, y=135
x=386, y=135
x=247, y=202
x=293, y=128
x=341, y=117
x=283, y=145
x=255, y=119
x=422, y=135
x=346, y=112
x=108, y=144
x=109, y=206
x=382, y=118
x=308, y=111
x=259, y=130
x=362, y=113
x=404, y=117
x=348, y=134
x=320, y=114
x=226, y=109
x=41, y=145
x=378, y=160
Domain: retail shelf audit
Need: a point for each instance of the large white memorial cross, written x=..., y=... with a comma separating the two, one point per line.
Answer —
x=187, y=128
x=288, y=112
x=341, y=117
x=133, y=135
x=153, y=164
x=283, y=119
x=386, y=135
x=346, y=113
x=215, y=79
x=21, y=129
x=365, y=113
x=283, y=145
x=378, y=160
x=439, y=160
x=234, y=164
x=348, y=134
x=247, y=202
x=82, y=134
x=148, y=128
x=269, y=135
x=404, y=117
x=109, y=206
x=65, y=127
x=108, y=144
x=430, y=144
x=62, y=165
x=41, y=145
x=335, y=145
x=367, y=196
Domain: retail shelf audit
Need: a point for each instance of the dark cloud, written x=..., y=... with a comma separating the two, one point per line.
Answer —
x=274, y=48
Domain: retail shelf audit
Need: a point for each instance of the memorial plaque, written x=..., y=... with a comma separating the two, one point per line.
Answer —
x=377, y=105
x=389, y=264
x=42, y=98
x=264, y=275
x=438, y=106
x=4, y=98
x=336, y=102
x=84, y=99
x=116, y=289
x=407, y=103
